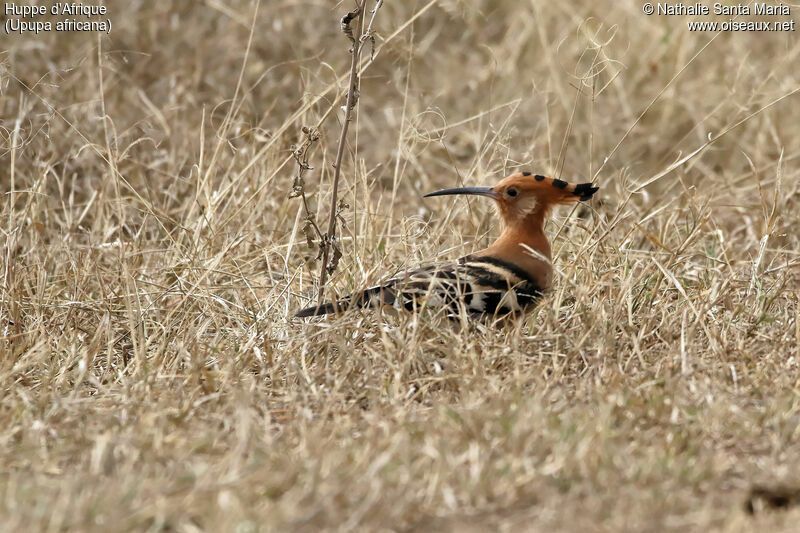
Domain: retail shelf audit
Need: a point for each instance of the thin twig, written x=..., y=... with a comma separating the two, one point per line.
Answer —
x=329, y=261
x=301, y=156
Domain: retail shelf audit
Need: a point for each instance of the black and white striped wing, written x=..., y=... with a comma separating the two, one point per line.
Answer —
x=477, y=284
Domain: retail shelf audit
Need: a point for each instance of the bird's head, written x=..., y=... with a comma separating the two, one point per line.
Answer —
x=523, y=197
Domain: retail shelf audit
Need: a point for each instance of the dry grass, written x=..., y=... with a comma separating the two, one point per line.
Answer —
x=153, y=379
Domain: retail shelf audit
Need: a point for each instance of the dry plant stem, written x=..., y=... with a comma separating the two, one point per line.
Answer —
x=329, y=238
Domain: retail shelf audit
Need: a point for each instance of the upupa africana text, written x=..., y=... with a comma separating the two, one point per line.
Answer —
x=506, y=277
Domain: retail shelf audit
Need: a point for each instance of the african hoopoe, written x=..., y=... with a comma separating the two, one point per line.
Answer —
x=505, y=277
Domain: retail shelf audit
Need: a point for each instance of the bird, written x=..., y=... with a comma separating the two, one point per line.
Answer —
x=507, y=277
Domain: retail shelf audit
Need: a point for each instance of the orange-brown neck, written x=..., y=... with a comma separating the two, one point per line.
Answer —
x=512, y=246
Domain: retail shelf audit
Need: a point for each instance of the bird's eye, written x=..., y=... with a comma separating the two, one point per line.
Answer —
x=511, y=192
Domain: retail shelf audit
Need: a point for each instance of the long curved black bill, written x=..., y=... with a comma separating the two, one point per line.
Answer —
x=479, y=191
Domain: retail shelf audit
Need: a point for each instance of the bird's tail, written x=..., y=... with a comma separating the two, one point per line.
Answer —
x=331, y=307
x=373, y=297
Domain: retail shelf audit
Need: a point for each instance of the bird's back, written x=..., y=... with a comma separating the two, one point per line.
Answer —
x=476, y=284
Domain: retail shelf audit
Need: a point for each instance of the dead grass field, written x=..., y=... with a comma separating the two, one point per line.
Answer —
x=152, y=377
